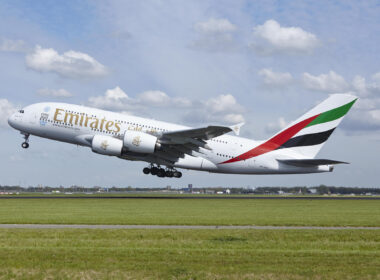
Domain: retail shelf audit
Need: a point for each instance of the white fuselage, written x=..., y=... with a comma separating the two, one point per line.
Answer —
x=76, y=124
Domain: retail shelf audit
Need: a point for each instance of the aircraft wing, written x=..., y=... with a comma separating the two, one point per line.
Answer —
x=175, y=144
x=197, y=136
x=204, y=133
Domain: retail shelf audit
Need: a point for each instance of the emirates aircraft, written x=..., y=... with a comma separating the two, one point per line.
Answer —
x=167, y=147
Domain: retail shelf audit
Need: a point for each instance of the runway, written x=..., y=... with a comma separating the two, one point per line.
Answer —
x=194, y=197
x=57, y=226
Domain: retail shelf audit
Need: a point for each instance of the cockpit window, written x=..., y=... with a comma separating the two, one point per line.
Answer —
x=21, y=111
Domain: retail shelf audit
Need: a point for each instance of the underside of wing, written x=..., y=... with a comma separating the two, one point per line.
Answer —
x=310, y=162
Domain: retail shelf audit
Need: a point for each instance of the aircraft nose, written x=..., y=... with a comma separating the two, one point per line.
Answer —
x=11, y=120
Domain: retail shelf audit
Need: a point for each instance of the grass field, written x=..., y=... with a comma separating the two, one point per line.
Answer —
x=192, y=212
x=189, y=254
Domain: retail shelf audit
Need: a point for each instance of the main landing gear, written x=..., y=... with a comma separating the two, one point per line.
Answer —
x=161, y=172
x=25, y=144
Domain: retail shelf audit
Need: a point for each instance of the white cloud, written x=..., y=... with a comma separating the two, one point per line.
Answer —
x=367, y=103
x=8, y=45
x=70, y=64
x=365, y=115
x=362, y=120
x=54, y=92
x=221, y=109
x=116, y=94
x=271, y=37
x=233, y=118
x=359, y=85
x=182, y=102
x=214, y=35
x=276, y=126
x=274, y=79
x=223, y=103
x=330, y=82
x=334, y=83
x=158, y=98
x=6, y=109
x=154, y=97
x=365, y=89
x=117, y=99
x=113, y=99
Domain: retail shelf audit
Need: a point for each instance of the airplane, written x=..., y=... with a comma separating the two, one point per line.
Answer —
x=167, y=147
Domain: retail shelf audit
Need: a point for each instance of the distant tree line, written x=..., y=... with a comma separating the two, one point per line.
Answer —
x=321, y=190
x=77, y=189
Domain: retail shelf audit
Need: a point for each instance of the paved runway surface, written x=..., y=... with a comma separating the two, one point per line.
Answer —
x=51, y=226
x=193, y=197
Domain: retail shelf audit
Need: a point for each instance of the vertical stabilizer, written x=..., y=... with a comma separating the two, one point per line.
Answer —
x=307, y=134
x=317, y=125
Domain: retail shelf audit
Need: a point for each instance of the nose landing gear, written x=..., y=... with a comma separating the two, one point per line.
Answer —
x=161, y=172
x=25, y=144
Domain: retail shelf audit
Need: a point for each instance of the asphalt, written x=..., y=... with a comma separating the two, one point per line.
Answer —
x=56, y=226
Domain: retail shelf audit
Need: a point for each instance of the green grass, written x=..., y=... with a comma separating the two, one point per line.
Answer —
x=189, y=254
x=174, y=194
x=192, y=212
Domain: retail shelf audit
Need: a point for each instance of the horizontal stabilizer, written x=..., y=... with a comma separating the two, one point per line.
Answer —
x=310, y=162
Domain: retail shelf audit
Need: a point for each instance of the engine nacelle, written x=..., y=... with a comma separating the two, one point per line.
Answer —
x=140, y=142
x=107, y=145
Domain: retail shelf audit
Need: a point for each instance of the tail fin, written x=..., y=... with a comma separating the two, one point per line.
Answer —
x=308, y=134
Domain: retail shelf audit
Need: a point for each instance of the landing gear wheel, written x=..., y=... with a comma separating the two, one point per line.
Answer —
x=177, y=174
x=157, y=170
x=161, y=173
x=169, y=173
x=25, y=145
x=154, y=170
x=146, y=170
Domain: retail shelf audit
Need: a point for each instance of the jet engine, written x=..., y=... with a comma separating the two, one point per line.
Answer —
x=140, y=142
x=106, y=145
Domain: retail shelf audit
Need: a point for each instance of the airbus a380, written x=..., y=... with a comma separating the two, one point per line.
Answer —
x=161, y=144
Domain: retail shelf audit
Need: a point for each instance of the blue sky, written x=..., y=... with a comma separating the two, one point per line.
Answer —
x=195, y=63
